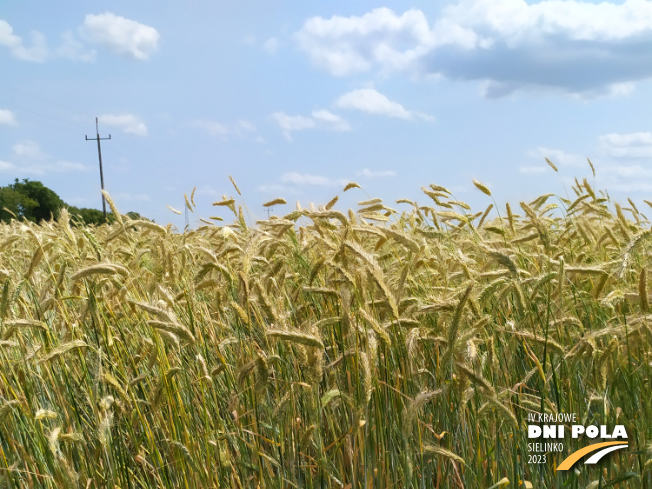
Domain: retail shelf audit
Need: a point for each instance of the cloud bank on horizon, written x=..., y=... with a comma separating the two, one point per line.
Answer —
x=122, y=36
x=576, y=47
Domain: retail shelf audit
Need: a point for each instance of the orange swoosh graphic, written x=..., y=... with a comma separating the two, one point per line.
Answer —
x=575, y=456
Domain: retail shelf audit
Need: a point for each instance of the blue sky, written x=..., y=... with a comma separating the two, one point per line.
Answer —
x=295, y=99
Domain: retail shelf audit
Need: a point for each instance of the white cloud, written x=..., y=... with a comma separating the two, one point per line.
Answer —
x=610, y=170
x=272, y=188
x=271, y=45
x=6, y=166
x=307, y=179
x=290, y=183
x=31, y=160
x=558, y=157
x=63, y=166
x=619, y=89
x=376, y=174
x=578, y=47
x=7, y=117
x=609, y=173
x=330, y=121
x=348, y=45
x=7, y=36
x=322, y=119
x=633, y=145
x=373, y=102
x=28, y=149
x=206, y=190
x=246, y=125
x=624, y=171
x=73, y=48
x=213, y=128
x=242, y=128
x=122, y=36
x=37, y=52
x=129, y=123
x=291, y=123
x=625, y=178
x=631, y=187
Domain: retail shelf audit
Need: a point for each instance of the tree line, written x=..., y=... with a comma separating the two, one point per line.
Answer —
x=33, y=201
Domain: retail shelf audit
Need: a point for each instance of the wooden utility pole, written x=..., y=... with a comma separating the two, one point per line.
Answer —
x=99, y=154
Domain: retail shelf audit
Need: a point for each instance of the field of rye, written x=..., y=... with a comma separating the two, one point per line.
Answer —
x=392, y=346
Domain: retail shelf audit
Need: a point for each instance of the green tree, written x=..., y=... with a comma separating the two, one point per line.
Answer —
x=30, y=200
x=15, y=204
x=85, y=215
x=33, y=201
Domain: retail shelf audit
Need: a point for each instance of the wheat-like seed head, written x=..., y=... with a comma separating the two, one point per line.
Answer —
x=114, y=209
x=316, y=334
